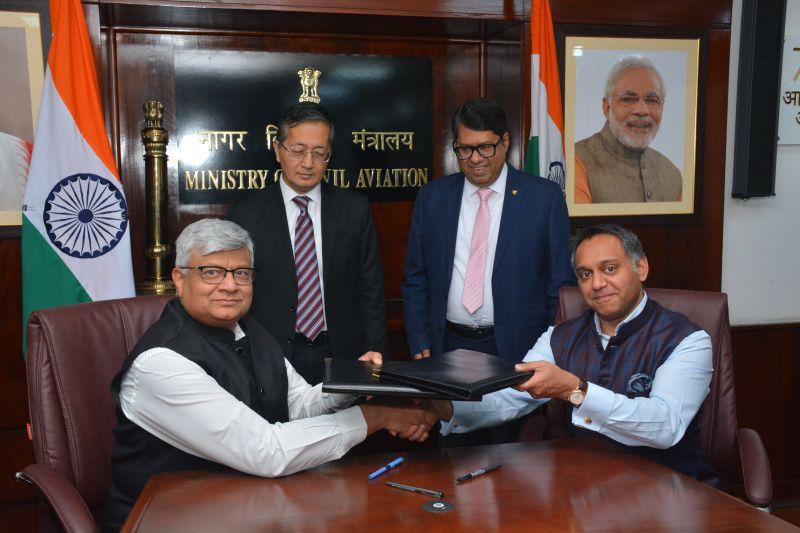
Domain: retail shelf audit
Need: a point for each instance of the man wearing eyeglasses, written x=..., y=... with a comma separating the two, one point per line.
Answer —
x=488, y=249
x=320, y=287
x=617, y=164
x=207, y=387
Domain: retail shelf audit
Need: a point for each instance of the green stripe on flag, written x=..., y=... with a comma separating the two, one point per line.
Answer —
x=532, y=157
x=46, y=280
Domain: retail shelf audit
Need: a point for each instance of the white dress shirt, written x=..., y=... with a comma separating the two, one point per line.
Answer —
x=315, y=213
x=679, y=387
x=175, y=400
x=470, y=202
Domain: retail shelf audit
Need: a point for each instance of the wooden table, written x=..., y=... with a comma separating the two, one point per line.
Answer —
x=542, y=486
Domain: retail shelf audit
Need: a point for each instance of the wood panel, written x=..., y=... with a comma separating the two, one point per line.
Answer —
x=767, y=366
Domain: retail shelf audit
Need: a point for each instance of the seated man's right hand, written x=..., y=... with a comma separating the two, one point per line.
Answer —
x=412, y=423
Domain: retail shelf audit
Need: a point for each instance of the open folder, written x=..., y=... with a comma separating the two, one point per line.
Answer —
x=456, y=375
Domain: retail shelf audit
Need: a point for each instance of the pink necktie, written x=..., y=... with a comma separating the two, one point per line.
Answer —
x=472, y=297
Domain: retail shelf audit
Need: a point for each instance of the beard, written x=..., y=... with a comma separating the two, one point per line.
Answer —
x=635, y=141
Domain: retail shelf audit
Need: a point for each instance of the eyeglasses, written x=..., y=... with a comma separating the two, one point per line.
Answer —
x=465, y=151
x=630, y=99
x=214, y=275
x=299, y=152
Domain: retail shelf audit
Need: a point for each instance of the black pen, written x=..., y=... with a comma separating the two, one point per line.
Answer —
x=476, y=473
x=426, y=492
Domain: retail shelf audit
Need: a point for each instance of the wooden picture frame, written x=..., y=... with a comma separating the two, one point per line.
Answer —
x=669, y=136
x=22, y=64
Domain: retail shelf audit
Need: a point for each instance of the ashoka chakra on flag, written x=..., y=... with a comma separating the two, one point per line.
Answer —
x=85, y=215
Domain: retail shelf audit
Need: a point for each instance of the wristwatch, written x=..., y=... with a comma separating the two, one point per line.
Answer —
x=576, y=397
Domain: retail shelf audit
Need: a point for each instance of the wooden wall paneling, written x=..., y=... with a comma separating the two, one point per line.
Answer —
x=16, y=451
x=485, y=9
x=699, y=13
x=767, y=365
x=504, y=83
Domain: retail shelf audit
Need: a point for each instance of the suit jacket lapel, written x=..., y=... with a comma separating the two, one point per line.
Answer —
x=454, y=193
x=275, y=214
x=330, y=229
x=511, y=202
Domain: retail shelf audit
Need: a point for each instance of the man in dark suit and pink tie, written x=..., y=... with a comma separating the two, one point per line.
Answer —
x=488, y=249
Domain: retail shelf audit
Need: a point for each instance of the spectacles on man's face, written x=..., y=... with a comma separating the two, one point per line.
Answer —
x=214, y=275
x=630, y=99
x=318, y=155
x=465, y=151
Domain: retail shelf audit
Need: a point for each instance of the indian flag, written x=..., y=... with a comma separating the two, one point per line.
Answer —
x=75, y=235
x=545, y=156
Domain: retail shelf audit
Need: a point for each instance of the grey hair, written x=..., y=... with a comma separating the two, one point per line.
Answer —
x=630, y=63
x=630, y=242
x=210, y=235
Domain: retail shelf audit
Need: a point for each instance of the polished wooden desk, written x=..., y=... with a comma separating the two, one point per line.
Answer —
x=542, y=486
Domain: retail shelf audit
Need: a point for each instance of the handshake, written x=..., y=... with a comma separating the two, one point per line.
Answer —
x=410, y=419
x=407, y=419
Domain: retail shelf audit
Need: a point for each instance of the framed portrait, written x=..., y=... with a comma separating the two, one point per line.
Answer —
x=22, y=69
x=630, y=138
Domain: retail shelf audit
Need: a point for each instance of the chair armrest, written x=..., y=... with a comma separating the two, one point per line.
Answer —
x=61, y=496
x=755, y=467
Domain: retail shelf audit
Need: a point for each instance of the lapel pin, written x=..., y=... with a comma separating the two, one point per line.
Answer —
x=514, y=192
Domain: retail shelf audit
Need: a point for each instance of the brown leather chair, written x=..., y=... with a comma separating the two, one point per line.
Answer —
x=73, y=353
x=719, y=432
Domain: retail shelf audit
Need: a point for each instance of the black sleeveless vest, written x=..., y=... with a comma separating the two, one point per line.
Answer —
x=251, y=369
x=627, y=366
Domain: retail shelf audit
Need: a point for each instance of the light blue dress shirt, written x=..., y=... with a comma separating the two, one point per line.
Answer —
x=679, y=387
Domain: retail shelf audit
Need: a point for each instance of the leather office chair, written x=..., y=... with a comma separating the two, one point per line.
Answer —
x=73, y=353
x=719, y=432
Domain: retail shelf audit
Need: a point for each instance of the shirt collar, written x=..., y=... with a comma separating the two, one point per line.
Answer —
x=499, y=185
x=289, y=194
x=633, y=314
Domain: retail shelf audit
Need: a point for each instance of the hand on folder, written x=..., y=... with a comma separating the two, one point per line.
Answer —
x=424, y=353
x=548, y=381
x=372, y=357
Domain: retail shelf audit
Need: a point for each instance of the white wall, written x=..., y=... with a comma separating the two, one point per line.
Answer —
x=761, y=236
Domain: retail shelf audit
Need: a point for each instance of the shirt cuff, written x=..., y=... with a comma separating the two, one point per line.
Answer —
x=595, y=409
x=459, y=413
x=353, y=426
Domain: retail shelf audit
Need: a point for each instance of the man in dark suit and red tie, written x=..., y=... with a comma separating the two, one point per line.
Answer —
x=319, y=289
x=488, y=249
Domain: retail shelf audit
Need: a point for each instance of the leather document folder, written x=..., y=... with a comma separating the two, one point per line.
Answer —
x=460, y=374
x=358, y=377
x=456, y=375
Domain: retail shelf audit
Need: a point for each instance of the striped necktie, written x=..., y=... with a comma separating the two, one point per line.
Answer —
x=310, y=316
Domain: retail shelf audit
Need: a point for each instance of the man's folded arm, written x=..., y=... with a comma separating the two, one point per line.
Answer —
x=679, y=388
x=175, y=400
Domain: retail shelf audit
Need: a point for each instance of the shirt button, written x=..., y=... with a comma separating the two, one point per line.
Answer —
x=291, y=309
x=587, y=420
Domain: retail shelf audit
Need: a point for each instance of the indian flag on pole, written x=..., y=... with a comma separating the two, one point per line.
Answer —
x=75, y=238
x=545, y=156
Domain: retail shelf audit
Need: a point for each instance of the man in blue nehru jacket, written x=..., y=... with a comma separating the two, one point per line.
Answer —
x=632, y=371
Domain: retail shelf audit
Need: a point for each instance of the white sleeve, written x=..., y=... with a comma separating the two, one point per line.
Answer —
x=177, y=401
x=679, y=387
x=306, y=401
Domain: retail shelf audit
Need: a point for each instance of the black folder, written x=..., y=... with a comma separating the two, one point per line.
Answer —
x=461, y=374
x=456, y=375
x=344, y=376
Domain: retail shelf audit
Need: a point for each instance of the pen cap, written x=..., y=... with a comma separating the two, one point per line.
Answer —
x=396, y=462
